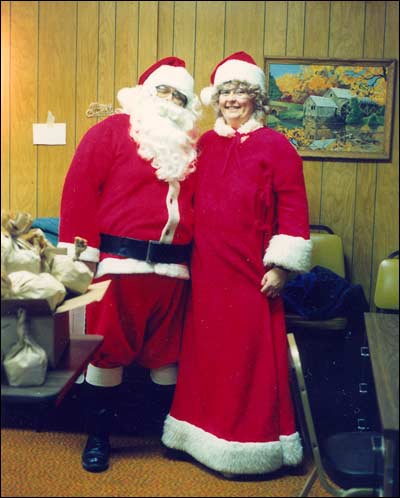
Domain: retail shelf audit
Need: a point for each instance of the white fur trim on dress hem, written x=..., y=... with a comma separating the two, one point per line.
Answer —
x=127, y=266
x=89, y=254
x=231, y=456
x=292, y=253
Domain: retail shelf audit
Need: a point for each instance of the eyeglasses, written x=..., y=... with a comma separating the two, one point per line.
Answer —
x=239, y=92
x=178, y=98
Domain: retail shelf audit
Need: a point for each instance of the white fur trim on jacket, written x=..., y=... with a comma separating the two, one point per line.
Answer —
x=128, y=265
x=224, y=130
x=231, y=456
x=292, y=253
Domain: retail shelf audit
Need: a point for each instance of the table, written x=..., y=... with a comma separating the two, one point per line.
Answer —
x=58, y=381
x=383, y=340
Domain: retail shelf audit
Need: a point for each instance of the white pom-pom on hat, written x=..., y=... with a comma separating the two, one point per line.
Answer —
x=206, y=94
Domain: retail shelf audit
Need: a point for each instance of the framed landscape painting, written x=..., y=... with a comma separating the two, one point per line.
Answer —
x=330, y=108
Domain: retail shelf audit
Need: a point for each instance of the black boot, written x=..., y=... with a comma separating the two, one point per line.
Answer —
x=100, y=412
x=161, y=401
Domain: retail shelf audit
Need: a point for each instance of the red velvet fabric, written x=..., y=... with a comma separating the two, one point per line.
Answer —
x=110, y=189
x=233, y=371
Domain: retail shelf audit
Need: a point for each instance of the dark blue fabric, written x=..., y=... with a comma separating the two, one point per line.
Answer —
x=50, y=228
x=322, y=294
x=332, y=364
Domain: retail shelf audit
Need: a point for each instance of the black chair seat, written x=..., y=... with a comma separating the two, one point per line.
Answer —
x=347, y=463
x=350, y=461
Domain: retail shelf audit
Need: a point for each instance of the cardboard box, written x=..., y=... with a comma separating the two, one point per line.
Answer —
x=50, y=329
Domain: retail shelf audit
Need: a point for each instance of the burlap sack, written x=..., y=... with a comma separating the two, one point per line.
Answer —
x=27, y=285
x=21, y=256
x=74, y=275
x=25, y=364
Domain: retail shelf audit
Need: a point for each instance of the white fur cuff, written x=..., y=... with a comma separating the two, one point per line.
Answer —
x=292, y=253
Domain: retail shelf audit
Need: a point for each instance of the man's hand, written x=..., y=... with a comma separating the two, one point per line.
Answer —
x=273, y=281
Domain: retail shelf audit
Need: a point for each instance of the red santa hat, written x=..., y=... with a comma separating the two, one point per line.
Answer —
x=169, y=71
x=238, y=66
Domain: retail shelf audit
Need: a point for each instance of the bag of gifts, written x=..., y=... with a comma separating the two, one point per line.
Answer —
x=27, y=285
x=6, y=289
x=20, y=256
x=17, y=253
x=25, y=364
x=74, y=275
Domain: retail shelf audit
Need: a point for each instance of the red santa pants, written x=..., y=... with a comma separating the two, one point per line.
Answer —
x=141, y=319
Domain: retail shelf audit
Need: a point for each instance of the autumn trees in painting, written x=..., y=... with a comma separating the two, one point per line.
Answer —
x=332, y=108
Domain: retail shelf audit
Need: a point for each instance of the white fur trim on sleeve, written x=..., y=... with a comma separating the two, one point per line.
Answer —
x=292, y=253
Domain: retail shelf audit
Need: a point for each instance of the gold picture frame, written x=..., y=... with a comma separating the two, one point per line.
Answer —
x=333, y=108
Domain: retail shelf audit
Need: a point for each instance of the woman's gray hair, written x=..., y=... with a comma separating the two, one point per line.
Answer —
x=259, y=98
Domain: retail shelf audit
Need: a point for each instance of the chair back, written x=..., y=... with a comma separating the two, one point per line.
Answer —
x=327, y=252
x=387, y=283
x=327, y=249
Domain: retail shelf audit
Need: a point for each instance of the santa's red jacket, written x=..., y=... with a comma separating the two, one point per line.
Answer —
x=111, y=189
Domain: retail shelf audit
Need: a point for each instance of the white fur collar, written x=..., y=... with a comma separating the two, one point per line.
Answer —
x=224, y=130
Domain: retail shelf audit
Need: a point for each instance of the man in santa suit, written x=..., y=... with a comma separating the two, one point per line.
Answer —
x=128, y=192
x=232, y=409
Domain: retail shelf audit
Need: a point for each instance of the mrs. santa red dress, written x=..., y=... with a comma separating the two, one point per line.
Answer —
x=232, y=409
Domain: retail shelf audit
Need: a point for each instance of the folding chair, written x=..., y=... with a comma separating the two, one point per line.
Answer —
x=346, y=463
x=327, y=252
x=386, y=297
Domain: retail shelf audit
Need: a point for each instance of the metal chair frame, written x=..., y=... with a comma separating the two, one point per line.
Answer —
x=309, y=435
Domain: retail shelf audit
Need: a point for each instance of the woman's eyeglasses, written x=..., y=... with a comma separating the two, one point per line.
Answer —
x=239, y=92
x=178, y=98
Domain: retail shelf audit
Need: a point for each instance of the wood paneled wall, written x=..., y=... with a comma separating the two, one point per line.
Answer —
x=61, y=56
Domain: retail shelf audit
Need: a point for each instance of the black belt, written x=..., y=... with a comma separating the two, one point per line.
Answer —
x=150, y=251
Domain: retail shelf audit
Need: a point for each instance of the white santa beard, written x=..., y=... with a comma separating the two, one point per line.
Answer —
x=162, y=130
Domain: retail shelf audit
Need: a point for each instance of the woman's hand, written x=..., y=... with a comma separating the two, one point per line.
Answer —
x=273, y=281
